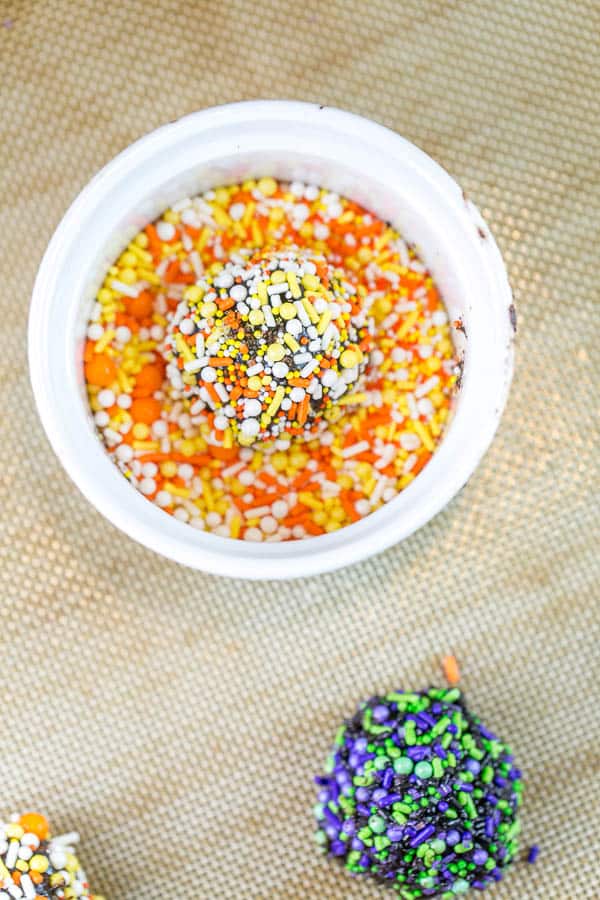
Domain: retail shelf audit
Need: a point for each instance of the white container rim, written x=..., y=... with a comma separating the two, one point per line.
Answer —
x=488, y=359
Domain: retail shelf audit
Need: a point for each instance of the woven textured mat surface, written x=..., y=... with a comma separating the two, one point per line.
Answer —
x=177, y=719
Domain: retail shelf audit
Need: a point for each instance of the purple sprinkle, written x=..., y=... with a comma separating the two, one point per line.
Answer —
x=334, y=791
x=444, y=789
x=323, y=796
x=507, y=757
x=423, y=835
x=491, y=799
x=479, y=856
x=486, y=734
x=533, y=854
x=453, y=837
x=499, y=781
x=497, y=874
x=417, y=753
x=442, y=806
x=378, y=794
x=515, y=774
x=362, y=794
x=473, y=766
x=380, y=713
x=439, y=751
x=452, y=729
x=322, y=780
x=360, y=744
x=463, y=786
x=388, y=779
x=478, y=885
x=390, y=800
x=331, y=818
x=337, y=848
x=436, y=708
x=416, y=795
x=395, y=833
x=409, y=831
x=363, y=810
x=349, y=827
x=501, y=852
x=364, y=861
x=427, y=720
x=357, y=844
x=490, y=828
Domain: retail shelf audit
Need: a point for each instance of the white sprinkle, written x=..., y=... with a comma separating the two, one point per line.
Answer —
x=194, y=365
x=298, y=531
x=230, y=471
x=163, y=498
x=253, y=534
x=101, y=418
x=280, y=369
x=208, y=374
x=187, y=326
x=302, y=314
x=427, y=386
x=182, y=514
x=147, y=485
x=279, y=509
x=321, y=231
x=297, y=394
x=293, y=327
x=213, y=519
x=106, y=398
x=354, y=449
x=221, y=391
x=256, y=369
x=268, y=316
x=247, y=477
x=424, y=350
x=27, y=887
x=224, y=280
x=297, y=189
x=362, y=506
x=221, y=422
x=439, y=317
x=149, y=469
x=268, y=524
x=386, y=457
x=95, y=332
x=311, y=192
x=250, y=427
x=165, y=230
x=409, y=463
x=123, y=334
x=409, y=440
x=329, y=378
x=252, y=408
x=236, y=211
x=425, y=406
x=129, y=290
x=412, y=406
x=286, y=404
x=11, y=855
x=238, y=293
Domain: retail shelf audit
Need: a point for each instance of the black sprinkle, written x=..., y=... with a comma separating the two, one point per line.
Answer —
x=512, y=315
x=481, y=233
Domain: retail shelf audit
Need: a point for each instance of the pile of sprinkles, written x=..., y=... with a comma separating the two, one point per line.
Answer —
x=269, y=361
x=35, y=865
x=419, y=794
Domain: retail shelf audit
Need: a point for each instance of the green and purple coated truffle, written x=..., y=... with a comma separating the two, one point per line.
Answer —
x=420, y=795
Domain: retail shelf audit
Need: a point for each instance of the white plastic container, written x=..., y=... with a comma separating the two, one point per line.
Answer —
x=334, y=149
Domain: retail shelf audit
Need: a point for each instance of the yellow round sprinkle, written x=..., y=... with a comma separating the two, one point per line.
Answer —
x=140, y=431
x=127, y=276
x=255, y=383
x=208, y=309
x=275, y=352
x=128, y=259
x=222, y=196
x=193, y=293
x=142, y=240
x=168, y=468
x=349, y=359
x=287, y=311
x=256, y=317
x=267, y=186
x=105, y=295
x=278, y=277
x=310, y=282
x=38, y=863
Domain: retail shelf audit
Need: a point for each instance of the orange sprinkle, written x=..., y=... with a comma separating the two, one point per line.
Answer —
x=451, y=670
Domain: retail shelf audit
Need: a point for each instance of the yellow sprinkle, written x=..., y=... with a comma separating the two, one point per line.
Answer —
x=193, y=293
x=140, y=254
x=235, y=526
x=149, y=276
x=294, y=286
x=208, y=309
x=142, y=239
x=352, y=398
x=257, y=235
x=349, y=359
x=187, y=447
x=21, y=865
x=105, y=340
x=309, y=500
x=278, y=277
x=424, y=434
x=287, y=311
x=38, y=863
x=311, y=282
x=146, y=445
x=221, y=217
x=175, y=490
x=227, y=439
x=324, y=321
x=173, y=218
x=276, y=401
x=261, y=290
x=313, y=315
x=267, y=186
x=291, y=342
x=256, y=317
x=248, y=213
x=275, y=352
x=168, y=468
x=407, y=324
x=255, y=383
x=4, y=873
x=128, y=276
x=184, y=348
x=203, y=239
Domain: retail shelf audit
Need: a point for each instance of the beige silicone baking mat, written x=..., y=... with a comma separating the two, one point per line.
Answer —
x=176, y=719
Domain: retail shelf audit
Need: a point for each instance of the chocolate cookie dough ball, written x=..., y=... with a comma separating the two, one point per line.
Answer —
x=419, y=794
x=270, y=345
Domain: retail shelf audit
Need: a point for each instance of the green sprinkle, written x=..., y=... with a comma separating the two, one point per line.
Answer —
x=410, y=735
x=377, y=824
x=403, y=766
x=487, y=774
x=381, y=842
x=460, y=886
x=423, y=769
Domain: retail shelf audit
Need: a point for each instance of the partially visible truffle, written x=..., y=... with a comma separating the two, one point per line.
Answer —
x=33, y=864
x=270, y=344
x=419, y=794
